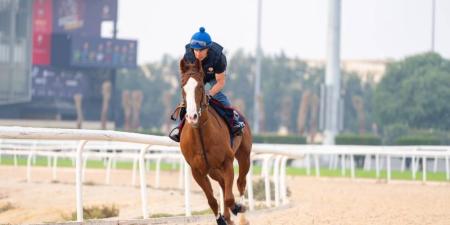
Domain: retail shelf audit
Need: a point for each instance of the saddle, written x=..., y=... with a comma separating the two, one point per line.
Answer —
x=228, y=114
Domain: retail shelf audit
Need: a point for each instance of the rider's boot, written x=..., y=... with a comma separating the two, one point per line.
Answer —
x=175, y=133
x=238, y=126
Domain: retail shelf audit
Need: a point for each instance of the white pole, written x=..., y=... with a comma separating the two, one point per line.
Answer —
x=435, y=165
x=15, y=160
x=276, y=179
x=388, y=166
x=283, y=181
x=55, y=164
x=403, y=165
x=108, y=170
x=158, y=171
x=78, y=181
x=433, y=22
x=30, y=158
x=143, y=179
x=187, y=189
x=352, y=166
x=267, y=180
x=377, y=165
x=317, y=165
x=413, y=167
x=333, y=76
x=308, y=164
x=133, y=175
x=257, y=95
x=181, y=174
x=343, y=169
x=84, y=167
x=424, y=169
x=447, y=167
x=251, y=202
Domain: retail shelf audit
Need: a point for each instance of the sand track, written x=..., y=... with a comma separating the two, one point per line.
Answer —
x=313, y=200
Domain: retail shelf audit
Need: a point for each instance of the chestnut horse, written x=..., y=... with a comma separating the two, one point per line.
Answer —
x=206, y=146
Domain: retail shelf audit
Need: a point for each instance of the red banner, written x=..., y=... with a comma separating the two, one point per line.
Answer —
x=42, y=29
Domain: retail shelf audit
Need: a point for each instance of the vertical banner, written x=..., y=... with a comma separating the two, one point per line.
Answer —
x=42, y=29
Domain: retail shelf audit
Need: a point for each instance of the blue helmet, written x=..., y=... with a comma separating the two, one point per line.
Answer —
x=200, y=40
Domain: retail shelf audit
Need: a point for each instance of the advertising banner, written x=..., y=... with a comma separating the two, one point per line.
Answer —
x=57, y=83
x=103, y=52
x=42, y=29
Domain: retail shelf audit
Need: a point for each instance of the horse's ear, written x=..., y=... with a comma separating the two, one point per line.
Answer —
x=183, y=67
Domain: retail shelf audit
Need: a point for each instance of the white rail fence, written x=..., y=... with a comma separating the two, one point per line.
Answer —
x=80, y=145
x=60, y=143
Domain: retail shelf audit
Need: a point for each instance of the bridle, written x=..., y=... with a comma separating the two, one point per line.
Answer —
x=204, y=102
x=203, y=107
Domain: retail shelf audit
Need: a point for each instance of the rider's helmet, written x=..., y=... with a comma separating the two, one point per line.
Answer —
x=200, y=40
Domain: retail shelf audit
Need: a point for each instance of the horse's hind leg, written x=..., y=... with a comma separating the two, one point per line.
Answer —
x=243, y=158
x=242, y=155
x=203, y=182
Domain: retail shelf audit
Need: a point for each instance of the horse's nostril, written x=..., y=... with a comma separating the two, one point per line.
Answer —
x=195, y=116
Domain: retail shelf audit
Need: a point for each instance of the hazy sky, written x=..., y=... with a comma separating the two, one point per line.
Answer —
x=370, y=29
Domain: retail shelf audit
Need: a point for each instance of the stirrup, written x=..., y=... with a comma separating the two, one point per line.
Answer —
x=175, y=134
x=238, y=128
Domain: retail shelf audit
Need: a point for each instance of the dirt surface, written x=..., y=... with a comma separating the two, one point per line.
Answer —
x=313, y=201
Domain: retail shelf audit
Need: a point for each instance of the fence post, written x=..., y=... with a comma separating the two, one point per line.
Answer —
x=377, y=165
x=343, y=172
x=55, y=164
x=447, y=167
x=352, y=166
x=78, y=177
x=266, y=169
x=283, y=180
x=187, y=189
x=143, y=181
x=158, y=171
x=317, y=165
x=424, y=169
x=251, y=203
x=388, y=167
x=276, y=179
x=30, y=158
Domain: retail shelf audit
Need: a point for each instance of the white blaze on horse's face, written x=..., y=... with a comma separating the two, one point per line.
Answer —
x=191, y=107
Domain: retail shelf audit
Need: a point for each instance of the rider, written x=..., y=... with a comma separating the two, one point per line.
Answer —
x=214, y=64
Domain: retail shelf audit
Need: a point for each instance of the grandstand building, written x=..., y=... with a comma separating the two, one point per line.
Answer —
x=56, y=65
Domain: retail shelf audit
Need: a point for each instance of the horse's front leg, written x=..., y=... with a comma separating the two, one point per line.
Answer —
x=228, y=175
x=204, y=183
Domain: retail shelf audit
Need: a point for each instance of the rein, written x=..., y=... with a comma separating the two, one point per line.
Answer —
x=203, y=103
x=203, y=107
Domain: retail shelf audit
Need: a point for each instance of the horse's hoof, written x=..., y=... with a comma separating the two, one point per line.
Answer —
x=238, y=208
x=221, y=221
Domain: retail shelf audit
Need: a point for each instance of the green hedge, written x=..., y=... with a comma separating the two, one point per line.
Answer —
x=355, y=139
x=418, y=140
x=276, y=139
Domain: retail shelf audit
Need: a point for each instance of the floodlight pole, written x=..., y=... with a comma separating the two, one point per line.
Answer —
x=257, y=95
x=433, y=24
x=333, y=76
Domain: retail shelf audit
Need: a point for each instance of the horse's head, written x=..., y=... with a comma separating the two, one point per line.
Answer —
x=193, y=90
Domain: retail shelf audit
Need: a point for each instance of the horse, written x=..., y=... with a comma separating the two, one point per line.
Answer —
x=205, y=144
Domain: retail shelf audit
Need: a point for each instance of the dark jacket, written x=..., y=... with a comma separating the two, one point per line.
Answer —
x=215, y=61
